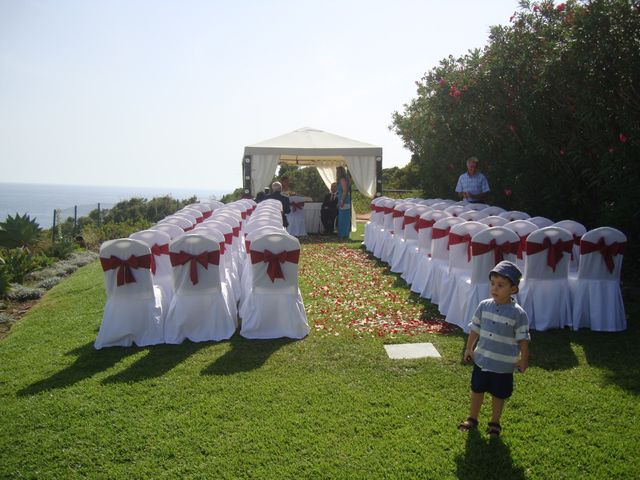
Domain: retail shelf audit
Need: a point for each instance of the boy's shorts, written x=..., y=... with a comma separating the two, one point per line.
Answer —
x=499, y=385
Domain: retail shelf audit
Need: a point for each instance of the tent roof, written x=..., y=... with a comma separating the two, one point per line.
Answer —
x=305, y=145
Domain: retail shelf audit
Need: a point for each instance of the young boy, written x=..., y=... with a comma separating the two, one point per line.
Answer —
x=501, y=328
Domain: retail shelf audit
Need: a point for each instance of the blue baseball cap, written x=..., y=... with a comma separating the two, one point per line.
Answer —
x=508, y=270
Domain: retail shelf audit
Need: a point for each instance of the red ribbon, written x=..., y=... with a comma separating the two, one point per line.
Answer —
x=439, y=233
x=274, y=260
x=422, y=223
x=607, y=251
x=295, y=206
x=408, y=220
x=499, y=250
x=522, y=246
x=156, y=251
x=206, y=215
x=554, y=250
x=235, y=231
x=247, y=245
x=204, y=259
x=455, y=239
x=387, y=210
x=124, y=273
x=228, y=238
x=397, y=213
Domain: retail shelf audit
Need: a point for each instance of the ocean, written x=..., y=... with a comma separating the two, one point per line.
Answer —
x=39, y=200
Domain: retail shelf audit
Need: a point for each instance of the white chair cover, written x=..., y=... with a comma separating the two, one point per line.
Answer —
x=180, y=220
x=541, y=222
x=158, y=243
x=456, y=209
x=473, y=215
x=544, y=291
x=385, y=229
x=205, y=208
x=577, y=230
x=416, y=274
x=230, y=262
x=514, y=215
x=493, y=210
x=399, y=244
x=170, y=229
x=199, y=310
x=274, y=307
x=459, y=261
x=493, y=221
x=488, y=247
x=246, y=277
x=438, y=265
x=475, y=206
x=410, y=249
x=522, y=228
x=194, y=212
x=295, y=218
x=133, y=312
x=597, y=300
x=372, y=228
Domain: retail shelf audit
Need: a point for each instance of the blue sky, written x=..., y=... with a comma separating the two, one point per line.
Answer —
x=168, y=93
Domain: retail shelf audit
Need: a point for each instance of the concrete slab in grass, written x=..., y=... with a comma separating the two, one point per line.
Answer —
x=411, y=350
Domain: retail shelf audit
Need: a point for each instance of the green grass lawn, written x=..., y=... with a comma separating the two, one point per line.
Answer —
x=330, y=406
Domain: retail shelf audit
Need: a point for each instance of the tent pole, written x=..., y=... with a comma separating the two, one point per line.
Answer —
x=246, y=176
x=378, y=176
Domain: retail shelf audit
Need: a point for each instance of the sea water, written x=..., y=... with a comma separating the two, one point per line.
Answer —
x=40, y=200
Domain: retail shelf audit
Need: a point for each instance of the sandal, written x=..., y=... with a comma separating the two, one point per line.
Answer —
x=469, y=424
x=494, y=429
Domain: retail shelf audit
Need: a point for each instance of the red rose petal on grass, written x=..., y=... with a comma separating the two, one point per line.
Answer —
x=622, y=137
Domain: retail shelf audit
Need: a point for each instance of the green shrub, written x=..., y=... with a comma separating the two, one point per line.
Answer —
x=5, y=279
x=6, y=318
x=18, y=263
x=20, y=293
x=48, y=283
x=61, y=249
x=94, y=235
x=19, y=231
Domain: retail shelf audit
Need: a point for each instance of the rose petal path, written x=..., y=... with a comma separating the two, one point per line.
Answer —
x=348, y=290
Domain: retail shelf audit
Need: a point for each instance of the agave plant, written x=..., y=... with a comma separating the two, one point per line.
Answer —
x=19, y=231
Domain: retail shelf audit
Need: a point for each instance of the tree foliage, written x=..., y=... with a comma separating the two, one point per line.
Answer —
x=551, y=107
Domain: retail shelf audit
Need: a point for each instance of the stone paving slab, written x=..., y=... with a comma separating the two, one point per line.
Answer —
x=411, y=350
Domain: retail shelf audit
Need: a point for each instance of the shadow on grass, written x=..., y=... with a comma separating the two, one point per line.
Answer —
x=486, y=459
x=89, y=361
x=159, y=360
x=245, y=355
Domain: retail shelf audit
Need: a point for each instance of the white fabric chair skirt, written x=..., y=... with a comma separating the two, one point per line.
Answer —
x=202, y=311
x=274, y=307
x=133, y=311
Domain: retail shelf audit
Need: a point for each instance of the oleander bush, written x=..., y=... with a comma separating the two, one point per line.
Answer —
x=550, y=107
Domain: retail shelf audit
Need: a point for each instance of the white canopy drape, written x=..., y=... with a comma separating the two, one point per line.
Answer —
x=312, y=147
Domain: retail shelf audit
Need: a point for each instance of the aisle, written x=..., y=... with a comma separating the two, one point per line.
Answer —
x=344, y=289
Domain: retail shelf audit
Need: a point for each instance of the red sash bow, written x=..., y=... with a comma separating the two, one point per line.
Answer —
x=387, y=210
x=607, y=251
x=422, y=223
x=204, y=259
x=397, y=213
x=156, y=251
x=455, y=239
x=274, y=260
x=409, y=220
x=439, y=233
x=522, y=246
x=124, y=273
x=228, y=238
x=499, y=250
x=206, y=215
x=555, y=250
x=295, y=206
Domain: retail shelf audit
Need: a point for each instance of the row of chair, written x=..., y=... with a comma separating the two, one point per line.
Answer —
x=202, y=273
x=445, y=250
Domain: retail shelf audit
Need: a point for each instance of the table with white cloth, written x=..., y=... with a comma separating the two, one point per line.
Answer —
x=312, y=220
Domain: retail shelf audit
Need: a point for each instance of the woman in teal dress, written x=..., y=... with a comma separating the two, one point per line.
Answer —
x=344, y=203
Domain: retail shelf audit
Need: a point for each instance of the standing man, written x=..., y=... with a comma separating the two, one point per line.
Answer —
x=329, y=210
x=276, y=193
x=472, y=185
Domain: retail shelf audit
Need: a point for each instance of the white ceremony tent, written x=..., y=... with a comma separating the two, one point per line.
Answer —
x=312, y=147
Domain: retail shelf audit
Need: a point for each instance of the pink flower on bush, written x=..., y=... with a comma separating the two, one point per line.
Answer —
x=536, y=8
x=442, y=82
x=611, y=149
x=622, y=137
x=511, y=127
x=561, y=151
x=561, y=7
x=454, y=92
x=508, y=192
